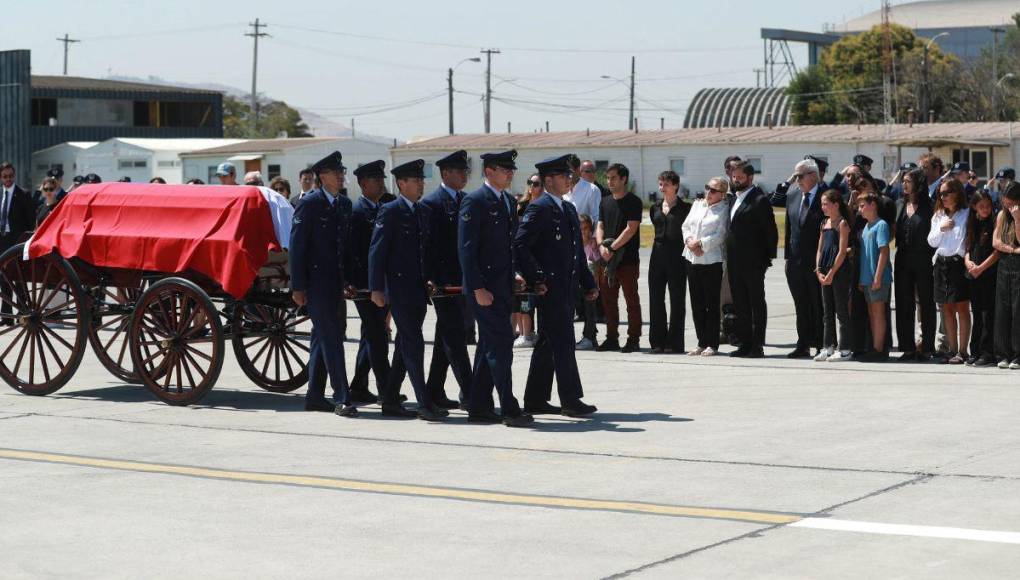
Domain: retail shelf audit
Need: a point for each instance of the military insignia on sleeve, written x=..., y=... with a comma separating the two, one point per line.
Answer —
x=559, y=237
x=297, y=220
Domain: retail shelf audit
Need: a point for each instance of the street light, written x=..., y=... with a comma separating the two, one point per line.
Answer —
x=449, y=84
x=924, y=64
x=630, y=120
x=995, y=94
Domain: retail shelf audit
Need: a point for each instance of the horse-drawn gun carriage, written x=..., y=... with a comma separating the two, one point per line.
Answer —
x=157, y=279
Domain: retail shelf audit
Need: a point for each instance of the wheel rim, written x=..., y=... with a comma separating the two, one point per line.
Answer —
x=109, y=332
x=42, y=339
x=272, y=346
x=176, y=342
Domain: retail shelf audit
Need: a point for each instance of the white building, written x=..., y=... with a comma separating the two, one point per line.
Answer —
x=63, y=156
x=698, y=154
x=142, y=159
x=284, y=157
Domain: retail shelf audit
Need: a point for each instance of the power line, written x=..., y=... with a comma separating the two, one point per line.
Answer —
x=175, y=31
x=376, y=106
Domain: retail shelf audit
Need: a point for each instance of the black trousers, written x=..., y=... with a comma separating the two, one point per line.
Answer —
x=1007, y=307
x=373, y=349
x=706, y=282
x=836, y=308
x=553, y=355
x=807, y=303
x=667, y=269
x=450, y=346
x=982, y=303
x=747, y=286
x=914, y=286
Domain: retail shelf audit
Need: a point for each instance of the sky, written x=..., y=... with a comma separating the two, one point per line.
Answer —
x=385, y=63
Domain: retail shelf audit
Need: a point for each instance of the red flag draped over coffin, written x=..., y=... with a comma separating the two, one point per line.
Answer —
x=223, y=232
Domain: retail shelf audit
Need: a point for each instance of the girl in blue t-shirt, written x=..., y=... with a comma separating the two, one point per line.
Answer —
x=875, y=279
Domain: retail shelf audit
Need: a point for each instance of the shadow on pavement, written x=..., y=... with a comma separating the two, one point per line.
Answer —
x=224, y=399
x=603, y=422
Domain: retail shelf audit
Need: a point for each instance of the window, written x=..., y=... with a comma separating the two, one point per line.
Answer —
x=678, y=165
x=977, y=158
x=42, y=111
x=274, y=171
x=428, y=170
x=132, y=164
x=211, y=175
x=170, y=163
x=754, y=161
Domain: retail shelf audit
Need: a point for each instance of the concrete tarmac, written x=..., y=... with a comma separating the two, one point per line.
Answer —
x=693, y=467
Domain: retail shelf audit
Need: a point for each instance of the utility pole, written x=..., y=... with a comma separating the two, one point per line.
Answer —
x=630, y=123
x=449, y=89
x=995, y=71
x=886, y=67
x=68, y=41
x=488, y=86
x=256, y=35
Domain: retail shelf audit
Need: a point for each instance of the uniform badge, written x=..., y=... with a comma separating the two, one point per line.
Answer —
x=558, y=237
x=466, y=216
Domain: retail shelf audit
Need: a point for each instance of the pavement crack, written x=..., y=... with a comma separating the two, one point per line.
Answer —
x=918, y=478
x=18, y=416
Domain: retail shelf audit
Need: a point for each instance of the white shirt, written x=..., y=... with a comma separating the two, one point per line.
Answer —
x=952, y=242
x=586, y=197
x=707, y=224
x=410, y=204
x=559, y=201
x=500, y=195
x=6, y=196
x=449, y=190
x=739, y=199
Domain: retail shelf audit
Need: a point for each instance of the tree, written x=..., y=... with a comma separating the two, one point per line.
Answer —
x=275, y=117
x=846, y=84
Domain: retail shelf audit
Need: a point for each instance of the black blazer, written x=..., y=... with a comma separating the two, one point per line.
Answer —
x=801, y=242
x=752, y=238
x=20, y=217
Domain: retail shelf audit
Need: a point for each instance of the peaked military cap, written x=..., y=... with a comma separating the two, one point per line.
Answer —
x=55, y=173
x=908, y=166
x=373, y=169
x=554, y=165
x=79, y=179
x=960, y=167
x=333, y=161
x=1005, y=173
x=92, y=178
x=414, y=168
x=822, y=164
x=860, y=160
x=504, y=159
x=455, y=160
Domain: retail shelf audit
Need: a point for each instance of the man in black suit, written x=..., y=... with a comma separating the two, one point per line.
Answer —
x=17, y=217
x=803, y=223
x=750, y=249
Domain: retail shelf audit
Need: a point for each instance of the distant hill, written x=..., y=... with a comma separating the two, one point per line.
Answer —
x=318, y=125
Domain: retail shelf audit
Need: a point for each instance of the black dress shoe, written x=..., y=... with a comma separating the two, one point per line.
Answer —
x=657, y=350
x=430, y=414
x=579, y=409
x=522, y=420
x=985, y=361
x=484, y=417
x=323, y=405
x=740, y=352
x=542, y=409
x=463, y=407
x=398, y=411
x=755, y=353
x=632, y=345
x=800, y=353
x=910, y=356
x=347, y=410
x=365, y=397
x=445, y=403
x=608, y=344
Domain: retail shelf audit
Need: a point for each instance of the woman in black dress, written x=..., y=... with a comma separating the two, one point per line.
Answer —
x=667, y=268
x=912, y=269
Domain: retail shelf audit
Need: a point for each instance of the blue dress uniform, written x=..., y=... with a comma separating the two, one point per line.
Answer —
x=317, y=244
x=548, y=250
x=487, y=225
x=396, y=267
x=373, y=349
x=450, y=348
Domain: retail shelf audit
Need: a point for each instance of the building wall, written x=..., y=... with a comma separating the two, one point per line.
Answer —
x=355, y=153
x=65, y=156
x=15, y=105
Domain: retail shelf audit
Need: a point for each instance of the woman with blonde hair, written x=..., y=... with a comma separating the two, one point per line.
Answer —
x=704, y=233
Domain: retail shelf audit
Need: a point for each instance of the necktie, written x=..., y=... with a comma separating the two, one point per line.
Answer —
x=340, y=235
x=804, y=207
x=3, y=212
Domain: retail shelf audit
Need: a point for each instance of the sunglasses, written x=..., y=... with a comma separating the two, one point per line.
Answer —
x=800, y=176
x=534, y=183
x=47, y=189
x=713, y=190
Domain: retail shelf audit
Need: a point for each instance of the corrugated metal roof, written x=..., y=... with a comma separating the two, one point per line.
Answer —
x=939, y=14
x=738, y=107
x=935, y=132
x=270, y=145
x=87, y=84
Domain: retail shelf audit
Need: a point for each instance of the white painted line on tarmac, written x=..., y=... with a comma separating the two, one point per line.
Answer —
x=909, y=530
